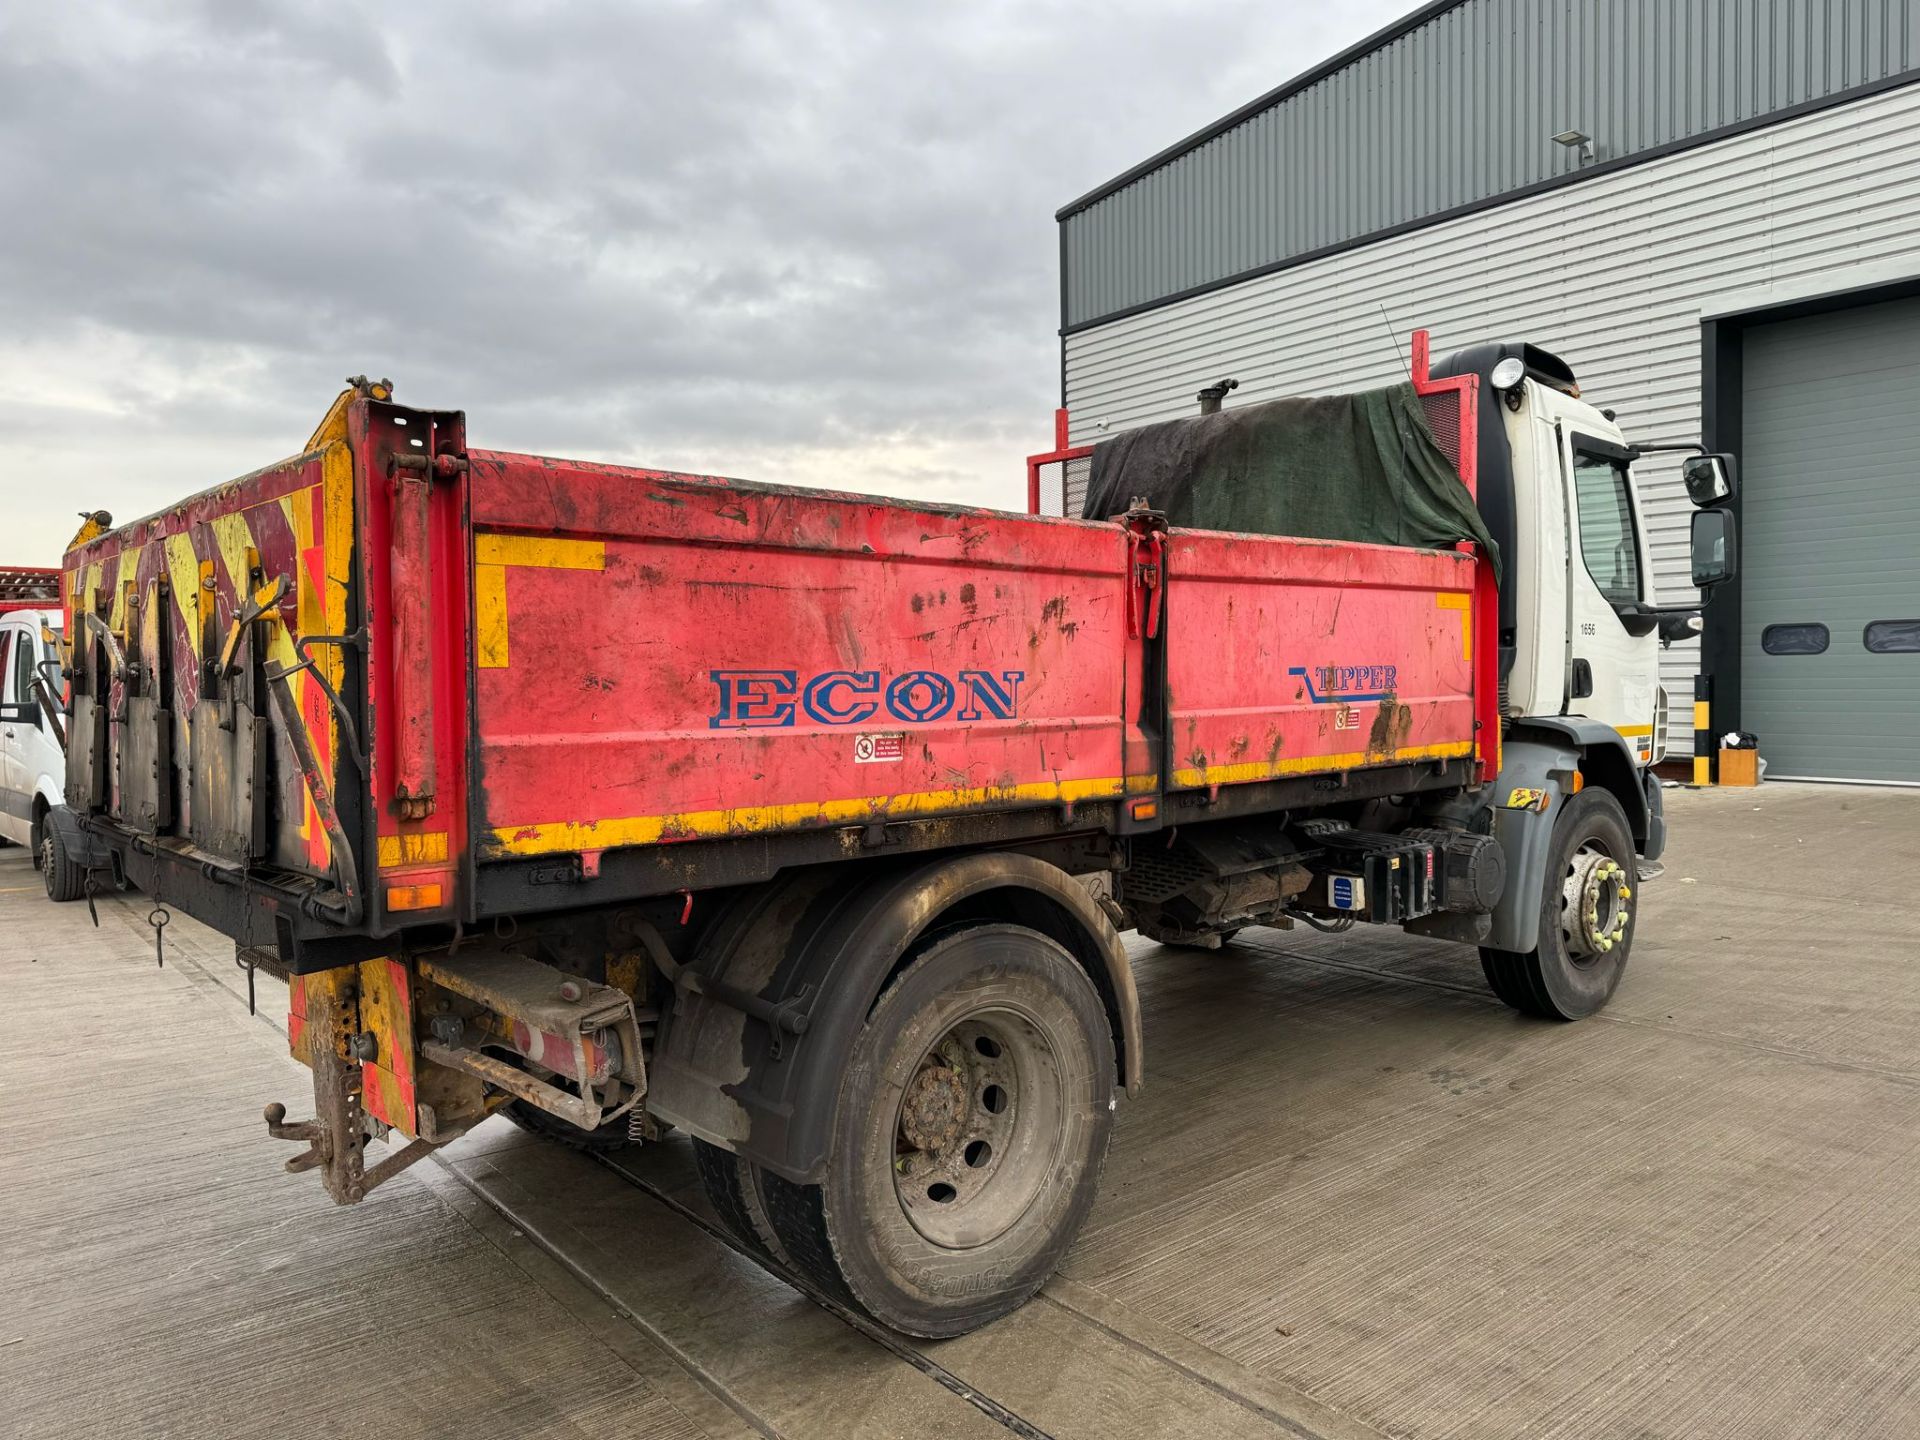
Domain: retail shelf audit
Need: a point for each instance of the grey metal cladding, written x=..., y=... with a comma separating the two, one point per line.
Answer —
x=1458, y=110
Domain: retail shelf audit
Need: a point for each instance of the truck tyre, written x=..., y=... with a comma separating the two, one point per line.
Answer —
x=614, y=1135
x=735, y=1188
x=1586, y=916
x=968, y=1134
x=64, y=879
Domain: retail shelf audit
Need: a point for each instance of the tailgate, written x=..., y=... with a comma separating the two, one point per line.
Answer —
x=268, y=680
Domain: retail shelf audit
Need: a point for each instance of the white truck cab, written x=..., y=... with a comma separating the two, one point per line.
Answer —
x=1580, y=627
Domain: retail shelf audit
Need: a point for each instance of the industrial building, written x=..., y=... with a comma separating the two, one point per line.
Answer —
x=1711, y=210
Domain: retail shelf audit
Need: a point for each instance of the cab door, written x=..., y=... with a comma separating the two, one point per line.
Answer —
x=1613, y=652
x=16, y=795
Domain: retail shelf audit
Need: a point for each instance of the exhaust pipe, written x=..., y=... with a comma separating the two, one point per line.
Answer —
x=1211, y=397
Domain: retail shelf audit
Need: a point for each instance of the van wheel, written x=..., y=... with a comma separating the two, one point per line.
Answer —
x=64, y=879
x=1586, y=917
x=735, y=1189
x=967, y=1140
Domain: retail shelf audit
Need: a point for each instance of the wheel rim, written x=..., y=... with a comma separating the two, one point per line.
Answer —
x=1594, y=904
x=978, y=1130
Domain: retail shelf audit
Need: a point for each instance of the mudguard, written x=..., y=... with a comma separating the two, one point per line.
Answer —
x=1604, y=760
x=819, y=949
x=1536, y=775
x=83, y=848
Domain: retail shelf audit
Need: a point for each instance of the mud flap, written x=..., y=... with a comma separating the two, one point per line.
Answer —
x=1535, y=776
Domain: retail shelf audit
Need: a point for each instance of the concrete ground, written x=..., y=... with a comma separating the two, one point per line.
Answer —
x=1358, y=1197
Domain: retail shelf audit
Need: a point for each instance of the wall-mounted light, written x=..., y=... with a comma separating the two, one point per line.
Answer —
x=1577, y=139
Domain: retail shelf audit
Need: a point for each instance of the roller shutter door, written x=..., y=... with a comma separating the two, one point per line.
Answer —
x=1830, y=610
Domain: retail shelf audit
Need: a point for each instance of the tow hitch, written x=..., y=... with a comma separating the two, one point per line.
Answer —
x=431, y=1047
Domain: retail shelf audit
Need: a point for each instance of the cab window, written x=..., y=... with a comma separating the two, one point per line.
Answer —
x=23, y=658
x=7, y=697
x=1608, y=542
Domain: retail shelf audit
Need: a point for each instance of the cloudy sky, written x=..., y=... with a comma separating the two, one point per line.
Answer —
x=810, y=243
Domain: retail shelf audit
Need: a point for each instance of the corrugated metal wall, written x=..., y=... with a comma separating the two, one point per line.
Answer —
x=1612, y=274
x=1462, y=109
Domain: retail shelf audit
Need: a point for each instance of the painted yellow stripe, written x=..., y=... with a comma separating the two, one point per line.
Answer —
x=428, y=849
x=540, y=551
x=650, y=829
x=1632, y=730
x=1701, y=719
x=1194, y=777
x=1463, y=602
x=491, y=556
x=490, y=616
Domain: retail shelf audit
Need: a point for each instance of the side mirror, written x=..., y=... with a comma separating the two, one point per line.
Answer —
x=1709, y=478
x=1715, y=548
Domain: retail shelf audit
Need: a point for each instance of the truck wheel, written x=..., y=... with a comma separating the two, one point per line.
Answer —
x=1586, y=917
x=735, y=1189
x=969, y=1130
x=609, y=1137
x=64, y=879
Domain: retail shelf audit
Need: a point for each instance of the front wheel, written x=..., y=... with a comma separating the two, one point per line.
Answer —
x=1586, y=917
x=969, y=1132
x=64, y=879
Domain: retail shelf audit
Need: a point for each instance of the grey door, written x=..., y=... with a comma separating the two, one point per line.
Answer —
x=1830, y=547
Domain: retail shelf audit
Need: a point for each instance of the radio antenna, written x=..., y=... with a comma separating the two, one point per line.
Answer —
x=1393, y=341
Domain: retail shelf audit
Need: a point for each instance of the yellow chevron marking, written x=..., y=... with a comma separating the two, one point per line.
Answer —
x=183, y=576
x=492, y=554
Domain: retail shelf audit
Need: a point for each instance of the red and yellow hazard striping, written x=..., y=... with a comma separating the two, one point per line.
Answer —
x=305, y=534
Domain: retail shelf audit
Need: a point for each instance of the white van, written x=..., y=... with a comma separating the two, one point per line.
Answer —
x=32, y=766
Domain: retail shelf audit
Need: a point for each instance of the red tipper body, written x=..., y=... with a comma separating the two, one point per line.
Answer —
x=563, y=684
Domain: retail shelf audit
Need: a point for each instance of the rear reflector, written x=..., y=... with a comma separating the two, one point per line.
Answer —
x=413, y=897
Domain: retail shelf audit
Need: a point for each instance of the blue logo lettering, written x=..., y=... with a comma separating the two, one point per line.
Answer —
x=986, y=695
x=761, y=699
x=751, y=699
x=822, y=705
x=920, y=695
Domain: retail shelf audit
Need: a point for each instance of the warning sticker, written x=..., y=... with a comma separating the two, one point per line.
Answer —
x=869, y=749
x=1527, y=799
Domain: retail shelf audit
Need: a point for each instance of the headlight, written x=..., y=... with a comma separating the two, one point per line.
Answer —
x=1509, y=373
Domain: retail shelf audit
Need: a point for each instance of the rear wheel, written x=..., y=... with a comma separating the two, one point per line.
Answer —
x=735, y=1189
x=1586, y=917
x=64, y=879
x=614, y=1135
x=968, y=1136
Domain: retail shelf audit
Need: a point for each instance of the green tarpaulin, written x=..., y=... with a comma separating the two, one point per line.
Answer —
x=1341, y=467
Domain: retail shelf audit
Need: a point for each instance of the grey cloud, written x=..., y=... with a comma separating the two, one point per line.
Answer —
x=728, y=233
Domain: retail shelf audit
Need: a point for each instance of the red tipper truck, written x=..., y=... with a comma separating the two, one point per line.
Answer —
x=623, y=799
